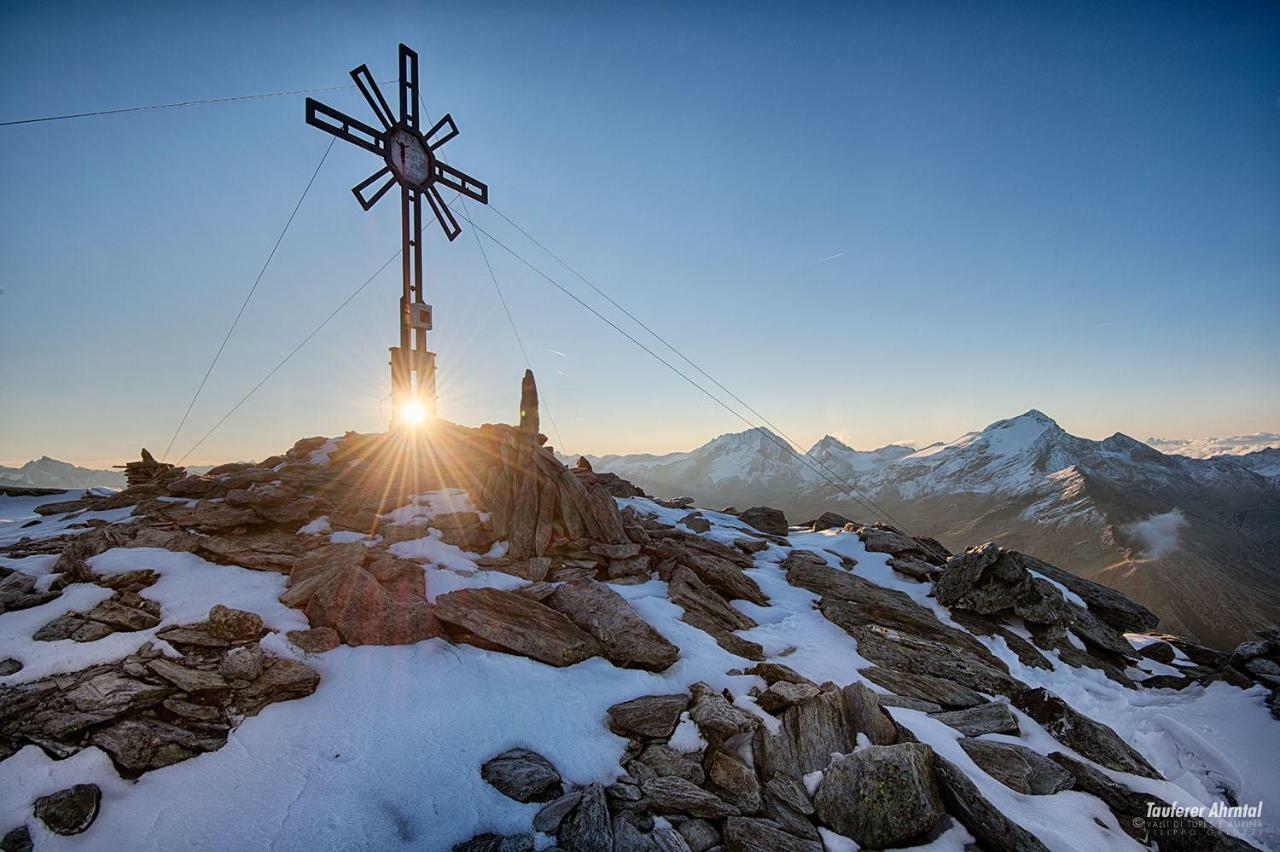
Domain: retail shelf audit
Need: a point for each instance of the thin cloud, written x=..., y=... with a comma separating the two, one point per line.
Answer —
x=838, y=254
x=557, y=352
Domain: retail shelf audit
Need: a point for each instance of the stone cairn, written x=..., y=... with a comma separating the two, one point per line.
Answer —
x=535, y=500
x=148, y=472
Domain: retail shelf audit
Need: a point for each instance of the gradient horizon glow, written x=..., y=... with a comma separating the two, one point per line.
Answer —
x=885, y=221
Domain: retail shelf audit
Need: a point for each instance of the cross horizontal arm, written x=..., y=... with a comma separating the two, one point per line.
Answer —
x=460, y=182
x=344, y=127
x=358, y=189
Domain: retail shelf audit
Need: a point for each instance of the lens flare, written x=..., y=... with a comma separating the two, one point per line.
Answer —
x=413, y=413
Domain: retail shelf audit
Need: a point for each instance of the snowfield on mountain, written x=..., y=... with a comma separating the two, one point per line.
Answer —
x=317, y=652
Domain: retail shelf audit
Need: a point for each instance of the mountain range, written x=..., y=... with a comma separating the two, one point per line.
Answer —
x=1197, y=540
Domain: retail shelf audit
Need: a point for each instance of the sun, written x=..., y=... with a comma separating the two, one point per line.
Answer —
x=413, y=413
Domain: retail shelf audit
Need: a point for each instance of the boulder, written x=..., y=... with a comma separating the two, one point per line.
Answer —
x=653, y=716
x=701, y=603
x=765, y=519
x=938, y=659
x=663, y=761
x=989, y=579
x=781, y=695
x=716, y=717
x=991, y=828
x=786, y=802
x=733, y=780
x=699, y=834
x=316, y=640
x=696, y=522
x=523, y=775
x=282, y=679
x=364, y=613
x=884, y=538
x=19, y=840
x=548, y=820
x=242, y=663
x=518, y=625
x=1112, y=607
x=69, y=811
x=882, y=795
x=811, y=732
x=1018, y=767
x=142, y=744
x=994, y=717
x=628, y=640
x=234, y=625
x=587, y=827
x=671, y=794
x=185, y=678
x=744, y=834
x=1092, y=739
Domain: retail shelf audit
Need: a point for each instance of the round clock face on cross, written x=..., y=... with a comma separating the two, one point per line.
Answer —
x=409, y=157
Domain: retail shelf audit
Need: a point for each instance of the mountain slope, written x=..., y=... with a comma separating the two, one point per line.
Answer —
x=1197, y=540
x=46, y=472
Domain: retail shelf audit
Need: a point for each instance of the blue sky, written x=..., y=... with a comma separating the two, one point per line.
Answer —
x=888, y=221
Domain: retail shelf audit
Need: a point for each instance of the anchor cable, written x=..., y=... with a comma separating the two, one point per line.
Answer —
x=247, y=297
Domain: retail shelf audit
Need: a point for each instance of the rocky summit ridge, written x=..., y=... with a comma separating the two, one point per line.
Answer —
x=452, y=640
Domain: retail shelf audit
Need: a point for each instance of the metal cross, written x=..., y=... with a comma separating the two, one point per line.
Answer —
x=411, y=161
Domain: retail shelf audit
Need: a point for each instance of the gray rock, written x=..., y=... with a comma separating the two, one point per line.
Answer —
x=775, y=672
x=187, y=679
x=1092, y=739
x=652, y=716
x=699, y=835
x=1112, y=607
x=733, y=780
x=882, y=795
x=628, y=640
x=523, y=775
x=9, y=666
x=909, y=703
x=765, y=519
x=989, y=579
x=120, y=617
x=991, y=718
x=496, y=843
x=242, y=663
x=786, y=802
x=991, y=828
x=716, y=717
x=142, y=744
x=17, y=840
x=811, y=732
x=701, y=603
x=781, y=695
x=862, y=710
x=1018, y=767
x=743, y=834
x=666, y=761
x=940, y=659
x=72, y=626
x=587, y=828
x=281, y=680
x=1161, y=652
x=69, y=811
x=696, y=522
x=676, y=795
x=547, y=820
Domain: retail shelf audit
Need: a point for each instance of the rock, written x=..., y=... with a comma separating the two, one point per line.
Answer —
x=1092, y=739
x=666, y=761
x=282, y=679
x=1161, y=652
x=195, y=712
x=909, y=703
x=490, y=842
x=364, y=613
x=882, y=795
x=940, y=659
x=242, y=663
x=1018, y=767
x=627, y=639
x=765, y=519
x=523, y=775
x=811, y=732
x=194, y=636
x=69, y=811
x=786, y=802
x=982, y=626
x=317, y=640
x=989, y=579
x=186, y=679
x=671, y=794
x=520, y=625
x=733, y=780
x=774, y=672
x=327, y=560
x=548, y=820
x=142, y=744
x=71, y=626
x=587, y=827
x=122, y=618
x=19, y=840
x=701, y=603
x=10, y=666
x=234, y=625
x=1132, y=809
x=699, y=835
x=827, y=521
x=991, y=828
x=862, y=710
x=991, y=718
x=750, y=545
x=883, y=538
x=696, y=522
x=783, y=694
x=716, y=717
x=652, y=716
x=743, y=834
x=1112, y=607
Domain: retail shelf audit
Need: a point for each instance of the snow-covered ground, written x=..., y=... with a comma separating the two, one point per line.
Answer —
x=386, y=753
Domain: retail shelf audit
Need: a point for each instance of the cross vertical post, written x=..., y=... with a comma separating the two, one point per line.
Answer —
x=410, y=161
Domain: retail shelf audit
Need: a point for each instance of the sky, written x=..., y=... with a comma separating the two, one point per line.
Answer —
x=886, y=221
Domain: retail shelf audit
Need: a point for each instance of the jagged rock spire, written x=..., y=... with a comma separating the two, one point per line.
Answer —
x=528, y=404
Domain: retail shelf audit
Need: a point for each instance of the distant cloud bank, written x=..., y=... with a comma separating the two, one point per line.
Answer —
x=1203, y=448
